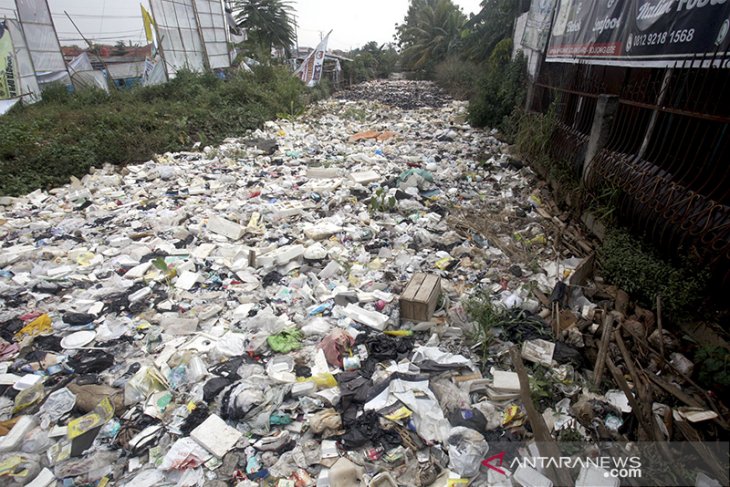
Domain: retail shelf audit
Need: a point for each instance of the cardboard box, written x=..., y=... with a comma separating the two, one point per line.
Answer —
x=419, y=300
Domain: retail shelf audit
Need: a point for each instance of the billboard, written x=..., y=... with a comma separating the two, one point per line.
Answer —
x=642, y=33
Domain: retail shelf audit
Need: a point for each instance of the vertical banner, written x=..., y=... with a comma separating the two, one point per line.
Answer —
x=180, y=40
x=8, y=70
x=40, y=35
x=310, y=72
x=537, y=28
x=27, y=81
x=149, y=29
x=212, y=21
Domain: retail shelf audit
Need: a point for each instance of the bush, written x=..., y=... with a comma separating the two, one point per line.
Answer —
x=501, y=89
x=459, y=78
x=637, y=270
x=42, y=145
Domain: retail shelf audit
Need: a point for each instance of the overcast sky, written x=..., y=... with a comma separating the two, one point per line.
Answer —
x=354, y=22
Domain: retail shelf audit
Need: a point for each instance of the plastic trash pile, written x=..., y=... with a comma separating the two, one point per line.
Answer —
x=231, y=316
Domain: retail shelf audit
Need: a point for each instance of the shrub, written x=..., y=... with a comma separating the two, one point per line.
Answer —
x=636, y=269
x=459, y=78
x=65, y=134
x=501, y=89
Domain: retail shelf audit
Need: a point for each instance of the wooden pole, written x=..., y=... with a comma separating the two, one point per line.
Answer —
x=546, y=444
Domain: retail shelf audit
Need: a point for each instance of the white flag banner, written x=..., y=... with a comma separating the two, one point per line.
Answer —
x=40, y=34
x=28, y=83
x=310, y=72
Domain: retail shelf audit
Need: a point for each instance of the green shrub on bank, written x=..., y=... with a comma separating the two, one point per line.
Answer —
x=42, y=145
x=637, y=270
x=459, y=78
x=501, y=89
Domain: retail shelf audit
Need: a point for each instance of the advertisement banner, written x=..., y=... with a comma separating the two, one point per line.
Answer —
x=8, y=72
x=537, y=28
x=310, y=72
x=643, y=33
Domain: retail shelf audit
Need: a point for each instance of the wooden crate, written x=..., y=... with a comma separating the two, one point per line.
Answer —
x=419, y=300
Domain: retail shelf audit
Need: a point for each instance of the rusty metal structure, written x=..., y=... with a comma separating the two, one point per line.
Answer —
x=668, y=152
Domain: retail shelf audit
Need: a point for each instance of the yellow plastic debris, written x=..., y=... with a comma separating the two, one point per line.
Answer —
x=38, y=326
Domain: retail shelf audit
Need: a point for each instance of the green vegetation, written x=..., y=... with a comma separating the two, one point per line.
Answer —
x=381, y=202
x=481, y=310
x=269, y=24
x=491, y=25
x=501, y=90
x=370, y=62
x=713, y=367
x=469, y=58
x=637, y=270
x=460, y=78
x=42, y=145
x=431, y=32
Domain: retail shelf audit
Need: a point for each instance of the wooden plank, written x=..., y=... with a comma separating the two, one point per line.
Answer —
x=546, y=443
x=603, y=349
x=427, y=286
x=633, y=402
x=413, y=286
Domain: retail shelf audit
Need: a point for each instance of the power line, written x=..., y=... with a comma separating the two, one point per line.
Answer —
x=130, y=31
x=97, y=16
x=113, y=38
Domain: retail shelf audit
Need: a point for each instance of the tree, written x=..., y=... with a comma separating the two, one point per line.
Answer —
x=432, y=31
x=120, y=49
x=268, y=23
x=494, y=22
x=371, y=61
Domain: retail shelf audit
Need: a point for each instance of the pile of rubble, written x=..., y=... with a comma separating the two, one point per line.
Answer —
x=340, y=300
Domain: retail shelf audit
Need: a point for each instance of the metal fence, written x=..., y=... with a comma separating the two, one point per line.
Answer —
x=668, y=150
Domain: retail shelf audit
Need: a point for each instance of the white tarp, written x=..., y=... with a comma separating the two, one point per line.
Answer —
x=29, y=89
x=213, y=29
x=40, y=34
x=154, y=73
x=310, y=72
x=83, y=74
x=179, y=37
x=119, y=71
x=6, y=105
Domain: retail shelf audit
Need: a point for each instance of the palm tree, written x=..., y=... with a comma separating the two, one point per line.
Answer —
x=432, y=30
x=494, y=22
x=268, y=23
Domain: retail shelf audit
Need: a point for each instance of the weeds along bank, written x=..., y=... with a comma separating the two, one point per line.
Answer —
x=42, y=145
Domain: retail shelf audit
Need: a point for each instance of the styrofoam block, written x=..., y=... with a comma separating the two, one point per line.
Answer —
x=365, y=177
x=373, y=319
x=139, y=271
x=506, y=381
x=187, y=280
x=216, y=436
x=227, y=228
x=324, y=172
x=280, y=256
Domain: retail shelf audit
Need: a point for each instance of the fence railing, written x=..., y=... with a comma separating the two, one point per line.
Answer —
x=667, y=147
